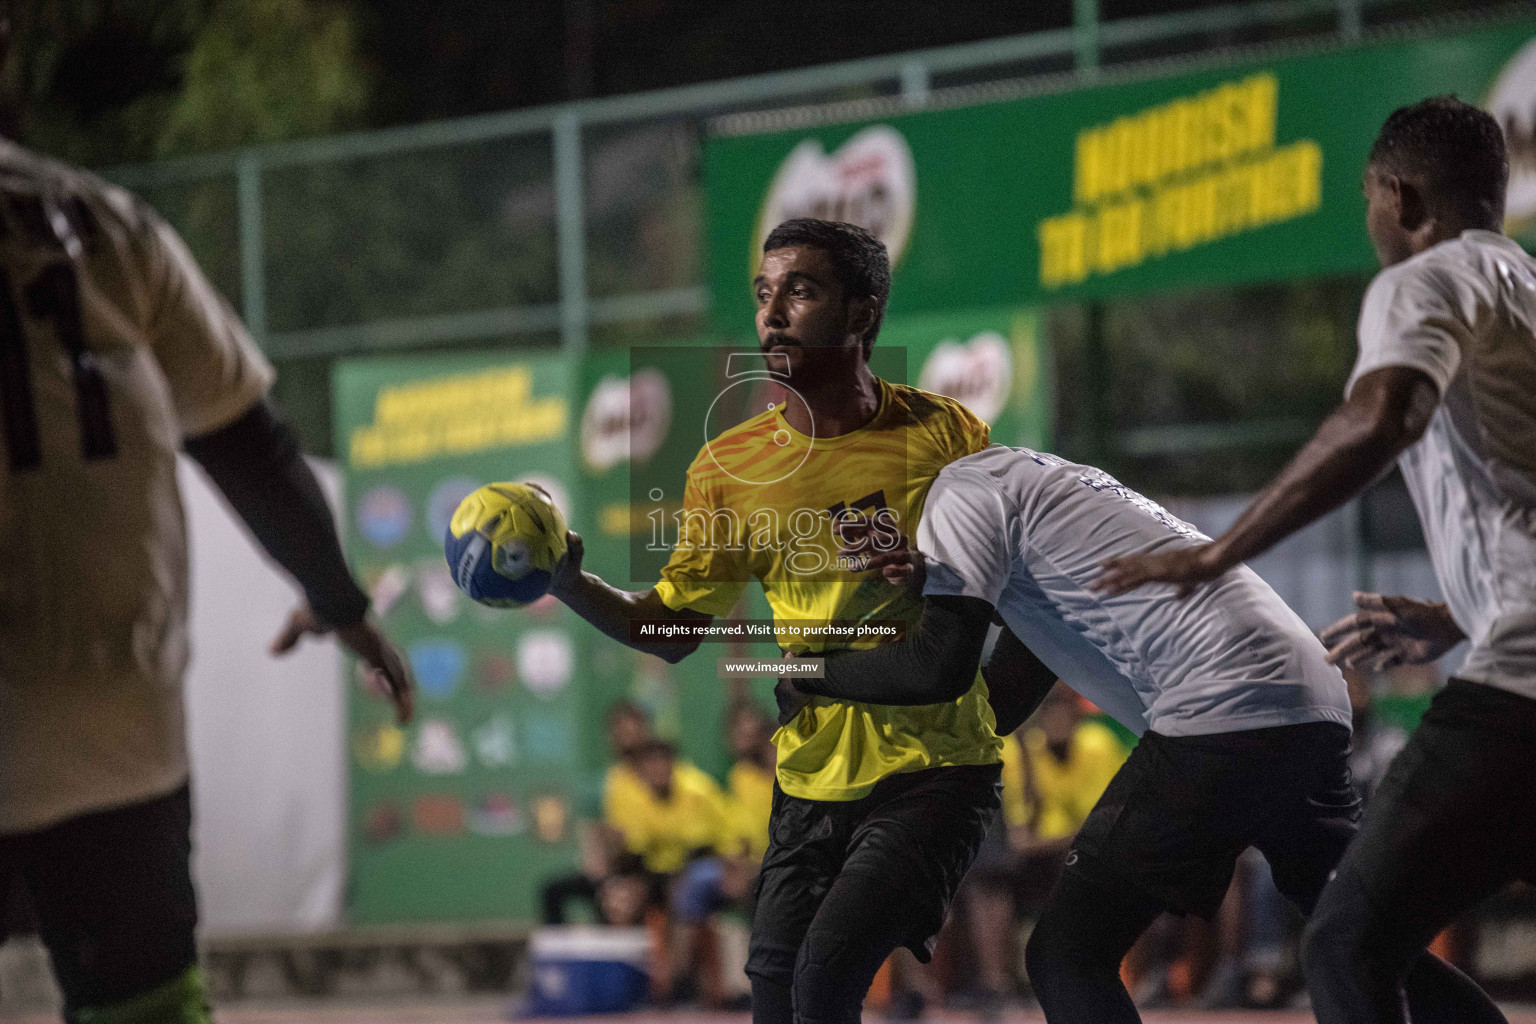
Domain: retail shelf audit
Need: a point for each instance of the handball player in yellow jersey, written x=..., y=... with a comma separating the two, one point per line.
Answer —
x=877, y=810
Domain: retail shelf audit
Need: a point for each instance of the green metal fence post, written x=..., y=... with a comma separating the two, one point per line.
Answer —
x=571, y=232
x=915, y=83
x=253, y=271
x=1085, y=30
x=1349, y=19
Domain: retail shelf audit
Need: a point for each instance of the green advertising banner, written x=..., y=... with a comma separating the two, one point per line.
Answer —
x=460, y=814
x=1241, y=173
x=994, y=361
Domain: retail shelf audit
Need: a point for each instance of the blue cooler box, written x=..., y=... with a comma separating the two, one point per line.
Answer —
x=582, y=969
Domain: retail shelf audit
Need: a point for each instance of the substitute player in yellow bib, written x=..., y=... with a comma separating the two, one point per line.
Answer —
x=877, y=811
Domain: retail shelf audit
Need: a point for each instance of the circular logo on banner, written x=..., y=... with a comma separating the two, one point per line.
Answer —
x=869, y=180
x=438, y=815
x=379, y=749
x=626, y=419
x=438, y=750
x=439, y=594
x=497, y=814
x=1512, y=102
x=442, y=503
x=438, y=666
x=977, y=374
x=545, y=661
x=384, y=516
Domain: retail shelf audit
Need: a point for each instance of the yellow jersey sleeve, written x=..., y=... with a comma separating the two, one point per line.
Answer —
x=707, y=571
x=215, y=371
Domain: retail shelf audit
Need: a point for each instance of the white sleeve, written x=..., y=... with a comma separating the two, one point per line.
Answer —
x=963, y=536
x=1418, y=315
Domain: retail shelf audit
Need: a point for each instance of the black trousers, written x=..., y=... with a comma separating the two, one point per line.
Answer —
x=1452, y=823
x=112, y=895
x=843, y=884
x=1166, y=836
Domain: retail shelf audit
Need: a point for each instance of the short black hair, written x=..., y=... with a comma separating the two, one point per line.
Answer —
x=859, y=259
x=655, y=748
x=1456, y=149
x=627, y=709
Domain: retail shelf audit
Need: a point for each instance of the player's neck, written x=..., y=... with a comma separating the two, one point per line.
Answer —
x=1448, y=224
x=836, y=405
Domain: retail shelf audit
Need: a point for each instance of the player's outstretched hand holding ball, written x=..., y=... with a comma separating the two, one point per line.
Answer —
x=504, y=544
x=388, y=674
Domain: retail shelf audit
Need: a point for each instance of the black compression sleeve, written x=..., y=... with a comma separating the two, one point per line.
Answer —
x=1017, y=681
x=935, y=663
x=256, y=462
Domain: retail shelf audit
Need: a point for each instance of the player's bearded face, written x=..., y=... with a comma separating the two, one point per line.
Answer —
x=803, y=312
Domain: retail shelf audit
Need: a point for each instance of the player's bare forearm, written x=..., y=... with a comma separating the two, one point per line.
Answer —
x=1387, y=411
x=612, y=610
x=1017, y=681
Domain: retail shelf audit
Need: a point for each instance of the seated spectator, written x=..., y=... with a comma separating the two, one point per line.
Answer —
x=677, y=814
x=601, y=845
x=676, y=824
x=601, y=848
x=749, y=787
x=630, y=732
x=1055, y=768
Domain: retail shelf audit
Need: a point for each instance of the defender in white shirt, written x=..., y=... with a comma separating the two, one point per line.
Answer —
x=1445, y=383
x=1245, y=727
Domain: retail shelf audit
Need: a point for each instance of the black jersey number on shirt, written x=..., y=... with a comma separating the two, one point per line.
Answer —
x=52, y=295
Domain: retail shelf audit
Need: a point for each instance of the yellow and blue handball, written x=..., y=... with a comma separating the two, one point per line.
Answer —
x=504, y=542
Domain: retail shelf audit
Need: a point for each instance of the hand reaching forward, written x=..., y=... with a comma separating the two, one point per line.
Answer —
x=1186, y=568
x=898, y=562
x=1390, y=631
x=388, y=674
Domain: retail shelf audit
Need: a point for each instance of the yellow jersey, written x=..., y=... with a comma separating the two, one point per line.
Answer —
x=662, y=833
x=749, y=790
x=1054, y=797
x=113, y=349
x=758, y=504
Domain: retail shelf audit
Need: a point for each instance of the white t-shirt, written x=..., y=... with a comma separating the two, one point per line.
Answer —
x=1464, y=312
x=1028, y=532
x=113, y=347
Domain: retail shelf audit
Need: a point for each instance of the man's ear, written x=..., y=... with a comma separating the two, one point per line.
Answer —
x=1412, y=210
x=862, y=312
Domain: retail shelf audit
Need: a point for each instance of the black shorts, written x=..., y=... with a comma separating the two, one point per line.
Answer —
x=112, y=896
x=1174, y=820
x=1454, y=818
x=915, y=834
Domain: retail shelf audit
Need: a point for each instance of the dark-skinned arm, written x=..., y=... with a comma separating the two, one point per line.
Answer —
x=936, y=662
x=1387, y=410
x=1017, y=682
x=612, y=610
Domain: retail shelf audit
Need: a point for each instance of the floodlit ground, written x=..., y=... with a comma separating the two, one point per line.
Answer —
x=492, y=1012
